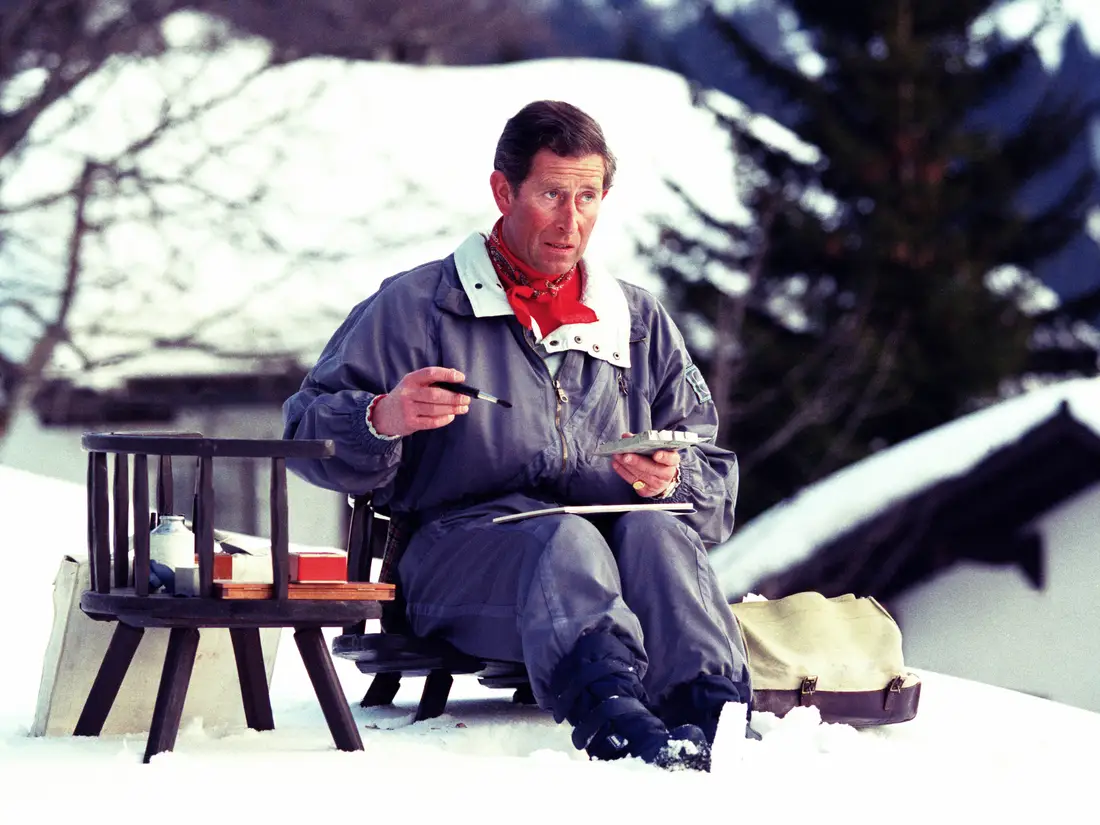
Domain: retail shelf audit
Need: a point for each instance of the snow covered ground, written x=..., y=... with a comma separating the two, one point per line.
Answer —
x=973, y=752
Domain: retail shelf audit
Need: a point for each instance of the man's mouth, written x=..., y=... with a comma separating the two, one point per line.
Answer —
x=561, y=246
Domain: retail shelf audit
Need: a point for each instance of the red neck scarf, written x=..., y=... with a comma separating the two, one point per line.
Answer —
x=551, y=300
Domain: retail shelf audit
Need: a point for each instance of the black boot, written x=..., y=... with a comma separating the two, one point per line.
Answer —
x=597, y=689
x=700, y=702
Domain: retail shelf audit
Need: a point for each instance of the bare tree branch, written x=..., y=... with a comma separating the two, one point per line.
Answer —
x=56, y=331
x=846, y=352
x=729, y=354
x=158, y=177
x=865, y=405
x=36, y=204
x=27, y=308
x=55, y=36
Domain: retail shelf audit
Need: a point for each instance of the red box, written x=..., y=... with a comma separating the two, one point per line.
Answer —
x=223, y=566
x=318, y=567
x=242, y=567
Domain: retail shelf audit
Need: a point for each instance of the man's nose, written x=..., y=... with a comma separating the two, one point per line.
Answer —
x=567, y=217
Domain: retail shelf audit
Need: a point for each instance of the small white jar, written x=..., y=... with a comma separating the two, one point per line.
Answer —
x=172, y=544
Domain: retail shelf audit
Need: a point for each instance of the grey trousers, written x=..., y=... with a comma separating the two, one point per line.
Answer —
x=526, y=591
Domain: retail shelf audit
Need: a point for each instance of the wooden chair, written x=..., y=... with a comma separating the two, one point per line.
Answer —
x=110, y=598
x=395, y=651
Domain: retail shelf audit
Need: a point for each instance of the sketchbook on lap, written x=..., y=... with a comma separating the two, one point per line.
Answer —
x=592, y=509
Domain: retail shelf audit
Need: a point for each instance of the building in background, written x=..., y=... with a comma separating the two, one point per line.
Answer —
x=46, y=440
x=982, y=537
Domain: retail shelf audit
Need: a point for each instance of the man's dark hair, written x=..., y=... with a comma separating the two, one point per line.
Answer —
x=549, y=124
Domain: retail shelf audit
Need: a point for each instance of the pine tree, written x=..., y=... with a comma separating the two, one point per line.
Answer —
x=884, y=277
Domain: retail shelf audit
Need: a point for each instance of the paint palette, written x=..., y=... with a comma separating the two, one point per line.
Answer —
x=649, y=442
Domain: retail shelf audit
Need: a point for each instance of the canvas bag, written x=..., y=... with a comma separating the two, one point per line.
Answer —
x=841, y=655
x=76, y=648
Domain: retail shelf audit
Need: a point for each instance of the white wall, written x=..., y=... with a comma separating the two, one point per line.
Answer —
x=315, y=516
x=989, y=624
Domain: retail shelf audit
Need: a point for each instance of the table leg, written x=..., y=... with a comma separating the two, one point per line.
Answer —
x=179, y=661
x=252, y=675
x=315, y=656
x=116, y=661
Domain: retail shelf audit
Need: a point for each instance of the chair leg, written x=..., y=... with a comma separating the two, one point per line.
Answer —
x=252, y=675
x=433, y=701
x=315, y=656
x=383, y=688
x=524, y=695
x=112, y=671
x=357, y=629
x=174, y=679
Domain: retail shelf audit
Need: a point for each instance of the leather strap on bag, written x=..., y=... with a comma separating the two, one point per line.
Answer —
x=893, y=693
x=806, y=692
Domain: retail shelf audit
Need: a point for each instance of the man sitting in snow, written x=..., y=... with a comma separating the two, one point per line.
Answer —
x=621, y=624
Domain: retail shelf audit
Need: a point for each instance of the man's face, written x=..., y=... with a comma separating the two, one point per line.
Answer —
x=548, y=219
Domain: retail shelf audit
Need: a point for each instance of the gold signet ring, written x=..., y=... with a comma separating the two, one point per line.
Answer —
x=639, y=484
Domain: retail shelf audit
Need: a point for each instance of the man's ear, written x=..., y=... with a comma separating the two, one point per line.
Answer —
x=502, y=192
x=604, y=196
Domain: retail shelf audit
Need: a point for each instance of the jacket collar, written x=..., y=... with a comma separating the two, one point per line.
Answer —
x=607, y=339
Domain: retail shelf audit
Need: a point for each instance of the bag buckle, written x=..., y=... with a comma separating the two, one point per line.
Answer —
x=809, y=685
x=893, y=690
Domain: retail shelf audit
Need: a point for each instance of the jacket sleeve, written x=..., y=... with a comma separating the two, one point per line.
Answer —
x=364, y=358
x=682, y=401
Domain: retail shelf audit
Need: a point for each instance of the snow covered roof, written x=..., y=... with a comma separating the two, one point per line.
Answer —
x=799, y=528
x=375, y=169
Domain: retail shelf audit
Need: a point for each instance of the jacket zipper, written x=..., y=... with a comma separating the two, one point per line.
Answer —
x=624, y=387
x=562, y=398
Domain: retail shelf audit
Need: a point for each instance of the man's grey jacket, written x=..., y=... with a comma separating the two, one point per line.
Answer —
x=628, y=372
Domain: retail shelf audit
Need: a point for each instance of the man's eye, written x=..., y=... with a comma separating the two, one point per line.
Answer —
x=553, y=193
x=588, y=197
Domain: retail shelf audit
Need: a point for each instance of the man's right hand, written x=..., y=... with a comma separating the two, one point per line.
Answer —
x=414, y=404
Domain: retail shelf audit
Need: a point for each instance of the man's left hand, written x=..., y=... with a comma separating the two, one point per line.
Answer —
x=655, y=472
